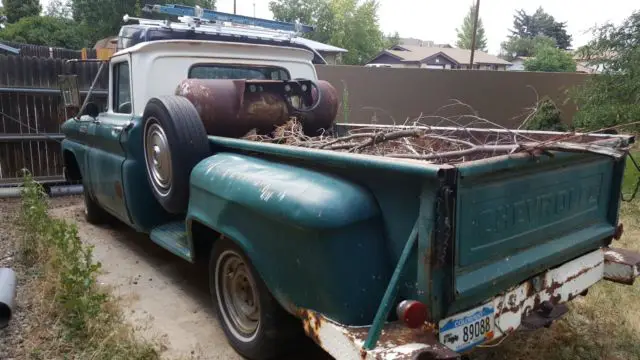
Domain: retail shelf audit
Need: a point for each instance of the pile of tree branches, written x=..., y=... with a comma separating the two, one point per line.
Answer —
x=438, y=145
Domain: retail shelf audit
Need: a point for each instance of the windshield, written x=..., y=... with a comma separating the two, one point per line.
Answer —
x=249, y=72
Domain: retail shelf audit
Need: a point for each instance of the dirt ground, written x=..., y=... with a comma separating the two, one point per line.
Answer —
x=165, y=297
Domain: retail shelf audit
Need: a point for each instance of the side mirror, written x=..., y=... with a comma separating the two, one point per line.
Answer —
x=91, y=109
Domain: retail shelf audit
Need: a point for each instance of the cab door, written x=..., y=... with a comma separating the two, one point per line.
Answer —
x=106, y=154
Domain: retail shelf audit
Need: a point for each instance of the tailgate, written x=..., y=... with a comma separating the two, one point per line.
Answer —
x=516, y=217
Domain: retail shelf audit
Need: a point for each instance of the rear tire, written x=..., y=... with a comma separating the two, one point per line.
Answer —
x=175, y=140
x=255, y=324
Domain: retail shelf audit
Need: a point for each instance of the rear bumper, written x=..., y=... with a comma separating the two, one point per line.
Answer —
x=521, y=306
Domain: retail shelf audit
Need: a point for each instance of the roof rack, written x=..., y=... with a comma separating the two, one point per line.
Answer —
x=219, y=26
x=197, y=17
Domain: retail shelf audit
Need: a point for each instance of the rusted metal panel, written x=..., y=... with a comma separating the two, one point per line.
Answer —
x=396, y=341
x=621, y=265
x=554, y=287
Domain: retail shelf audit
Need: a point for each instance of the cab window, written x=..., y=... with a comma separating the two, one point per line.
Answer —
x=121, y=88
x=249, y=72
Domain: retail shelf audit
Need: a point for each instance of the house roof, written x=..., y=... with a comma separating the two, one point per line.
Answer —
x=460, y=56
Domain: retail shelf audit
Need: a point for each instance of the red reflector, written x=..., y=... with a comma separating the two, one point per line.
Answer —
x=619, y=231
x=412, y=313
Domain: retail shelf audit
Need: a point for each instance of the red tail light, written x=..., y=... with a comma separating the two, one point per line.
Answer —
x=413, y=313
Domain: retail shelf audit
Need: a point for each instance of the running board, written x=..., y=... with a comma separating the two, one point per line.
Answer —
x=173, y=237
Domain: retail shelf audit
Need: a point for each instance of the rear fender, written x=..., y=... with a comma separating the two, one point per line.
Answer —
x=315, y=239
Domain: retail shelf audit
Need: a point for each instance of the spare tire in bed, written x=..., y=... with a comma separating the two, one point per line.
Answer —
x=174, y=141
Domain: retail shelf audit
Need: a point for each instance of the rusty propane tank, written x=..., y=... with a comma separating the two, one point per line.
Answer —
x=324, y=115
x=226, y=109
x=234, y=107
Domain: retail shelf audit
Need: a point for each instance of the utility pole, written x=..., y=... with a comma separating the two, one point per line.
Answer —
x=234, y=6
x=473, y=37
x=254, y=8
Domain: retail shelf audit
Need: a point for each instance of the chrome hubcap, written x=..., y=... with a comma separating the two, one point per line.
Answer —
x=158, y=157
x=238, y=295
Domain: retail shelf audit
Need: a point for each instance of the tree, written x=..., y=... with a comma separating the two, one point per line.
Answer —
x=540, y=23
x=527, y=28
x=103, y=18
x=46, y=30
x=613, y=97
x=17, y=9
x=550, y=59
x=525, y=46
x=465, y=32
x=391, y=40
x=59, y=8
x=349, y=24
x=305, y=11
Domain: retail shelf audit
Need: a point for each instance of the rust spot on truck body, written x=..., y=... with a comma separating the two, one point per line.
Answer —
x=389, y=346
x=531, y=290
x=311, y=322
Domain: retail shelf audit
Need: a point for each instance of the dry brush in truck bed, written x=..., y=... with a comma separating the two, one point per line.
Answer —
x=439, y=145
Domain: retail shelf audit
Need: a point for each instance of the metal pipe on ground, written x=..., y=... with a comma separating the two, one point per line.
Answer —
x=64, y=190
x=7, y=295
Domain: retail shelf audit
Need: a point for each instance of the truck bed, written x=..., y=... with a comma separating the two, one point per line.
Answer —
x=487, y=220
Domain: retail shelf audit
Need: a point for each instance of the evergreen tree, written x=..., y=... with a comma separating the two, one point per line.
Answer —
x=540, y=23
x=17, y=9
x=465, y=32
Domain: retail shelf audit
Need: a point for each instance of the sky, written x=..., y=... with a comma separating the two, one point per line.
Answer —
x=437, y=20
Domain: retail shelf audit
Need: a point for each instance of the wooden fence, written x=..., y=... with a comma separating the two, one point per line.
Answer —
x=31, y=115
x=28, y=50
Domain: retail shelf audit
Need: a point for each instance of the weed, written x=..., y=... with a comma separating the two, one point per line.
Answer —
x=77, y=318
x=345, y=104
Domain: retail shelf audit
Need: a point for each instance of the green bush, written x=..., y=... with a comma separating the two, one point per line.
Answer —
x=81, y=318
x=550, y=59
x=547, y=117
x=611, y=98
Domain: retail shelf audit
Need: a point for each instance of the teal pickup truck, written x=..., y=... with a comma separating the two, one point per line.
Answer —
x=372, y=257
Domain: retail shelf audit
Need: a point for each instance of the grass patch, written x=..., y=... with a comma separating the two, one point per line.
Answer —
x=603, y=325
x=76, y=318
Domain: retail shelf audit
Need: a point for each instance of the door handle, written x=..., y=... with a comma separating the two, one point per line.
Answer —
x=117, y=129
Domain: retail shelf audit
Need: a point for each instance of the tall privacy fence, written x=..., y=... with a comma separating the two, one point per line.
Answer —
x=393, y=95
x=41, y=51
x=31, y=113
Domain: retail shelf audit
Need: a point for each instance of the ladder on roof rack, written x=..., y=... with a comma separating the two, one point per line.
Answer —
x=211, y=15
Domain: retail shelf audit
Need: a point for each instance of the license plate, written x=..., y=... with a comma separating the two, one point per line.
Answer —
x=463, y=331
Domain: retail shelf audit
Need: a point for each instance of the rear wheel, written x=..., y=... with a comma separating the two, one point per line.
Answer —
x=175, y=140
x=253, y=321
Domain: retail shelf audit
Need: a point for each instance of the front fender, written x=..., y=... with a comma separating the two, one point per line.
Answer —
x=79, y=151
x=316, y=239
